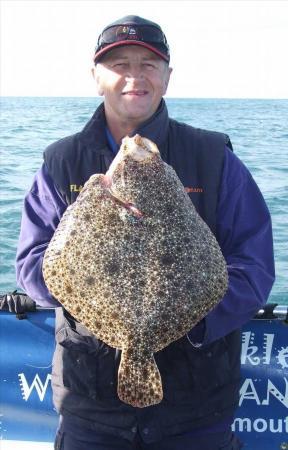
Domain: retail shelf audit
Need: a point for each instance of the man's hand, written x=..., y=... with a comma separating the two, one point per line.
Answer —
x=17, y=303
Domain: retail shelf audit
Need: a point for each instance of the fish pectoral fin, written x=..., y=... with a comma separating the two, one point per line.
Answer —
x=139, y=380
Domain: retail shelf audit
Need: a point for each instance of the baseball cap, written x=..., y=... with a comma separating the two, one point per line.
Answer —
x=132, y=30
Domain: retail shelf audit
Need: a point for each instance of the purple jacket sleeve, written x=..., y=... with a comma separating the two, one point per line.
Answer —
x=244, y=234
x=43, y=208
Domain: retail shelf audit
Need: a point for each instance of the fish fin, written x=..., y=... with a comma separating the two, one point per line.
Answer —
x=139, y=380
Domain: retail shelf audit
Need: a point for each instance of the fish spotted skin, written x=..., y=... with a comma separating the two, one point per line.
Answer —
x=133, y=261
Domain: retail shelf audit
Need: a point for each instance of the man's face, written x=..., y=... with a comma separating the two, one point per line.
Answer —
x=133, y=81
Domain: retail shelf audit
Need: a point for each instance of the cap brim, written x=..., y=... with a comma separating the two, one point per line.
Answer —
x=109, y=47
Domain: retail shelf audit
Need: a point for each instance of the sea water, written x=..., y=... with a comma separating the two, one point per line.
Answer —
x=258, y=130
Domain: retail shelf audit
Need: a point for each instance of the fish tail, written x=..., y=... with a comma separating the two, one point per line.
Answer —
x=139, y=380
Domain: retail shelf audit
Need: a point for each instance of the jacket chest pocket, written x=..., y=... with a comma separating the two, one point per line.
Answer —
x=87, y=364
x=209, y=365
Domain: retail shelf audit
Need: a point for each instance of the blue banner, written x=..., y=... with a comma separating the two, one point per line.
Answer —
x=262, y=417
x=25, y=377
x=26, y=407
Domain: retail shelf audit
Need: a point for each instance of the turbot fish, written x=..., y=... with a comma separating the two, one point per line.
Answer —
x=132, y=260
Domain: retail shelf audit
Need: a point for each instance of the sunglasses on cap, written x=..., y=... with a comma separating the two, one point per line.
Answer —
x=145, y=33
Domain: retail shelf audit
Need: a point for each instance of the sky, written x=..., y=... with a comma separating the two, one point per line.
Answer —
x=219, y=49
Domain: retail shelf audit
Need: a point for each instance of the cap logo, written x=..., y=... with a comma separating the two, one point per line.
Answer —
x=132, y=34
x=127, y=32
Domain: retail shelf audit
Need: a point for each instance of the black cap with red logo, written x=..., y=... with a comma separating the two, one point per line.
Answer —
x=132, y=30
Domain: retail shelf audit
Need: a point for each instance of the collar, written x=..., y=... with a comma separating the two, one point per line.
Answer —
x=155, y=129
x=111, y=141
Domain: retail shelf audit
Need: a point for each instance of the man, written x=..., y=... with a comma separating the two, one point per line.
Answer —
x=200, y=372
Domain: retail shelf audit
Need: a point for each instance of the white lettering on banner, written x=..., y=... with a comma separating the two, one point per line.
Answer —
x=282, y=357
x=248, y=392
x=260, y=425
x=251, y=353
x=249, y=349
x=271, y=389
x=36, y=383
